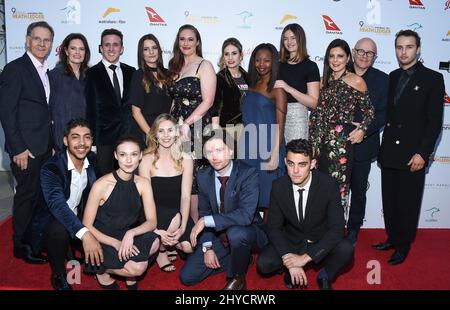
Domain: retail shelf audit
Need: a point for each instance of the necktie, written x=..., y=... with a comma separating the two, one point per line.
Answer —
x=116, y=82
x=300, y=205
x=223, y=185
x=223, y=182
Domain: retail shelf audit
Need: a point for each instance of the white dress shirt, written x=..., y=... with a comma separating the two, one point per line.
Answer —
x=111, y=73
x=42, y=69
x=77, y=185
x=305, y=188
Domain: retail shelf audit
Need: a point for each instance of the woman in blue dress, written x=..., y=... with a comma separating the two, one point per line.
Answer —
x=263, y=115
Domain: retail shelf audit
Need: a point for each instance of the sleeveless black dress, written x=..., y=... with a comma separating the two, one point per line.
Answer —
x=121, y=212
x=167, y=195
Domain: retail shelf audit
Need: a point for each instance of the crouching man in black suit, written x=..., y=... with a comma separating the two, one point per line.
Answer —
x=66, y=179
x=305, y=223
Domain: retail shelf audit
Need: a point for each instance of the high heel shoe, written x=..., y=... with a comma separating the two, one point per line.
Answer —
x=112, y=286
x=132, y=287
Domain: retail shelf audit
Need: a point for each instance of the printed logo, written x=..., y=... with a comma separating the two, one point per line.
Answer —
x=208, y=20
x=154, y=18
x=374, y=29
x=35, y=16
x=244, y=15
x=414, y=26
x=446, y=100
x=447, y=5
x=330, y=25
x=416, y=4
x=447, y=36
x=73, y=12
x=432, y=214
x=374, y=15
x=284, y=20
x=110, y=12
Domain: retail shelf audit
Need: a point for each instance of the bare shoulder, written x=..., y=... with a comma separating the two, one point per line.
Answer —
x=206, y=67
x=103, y=184
x=147, y=158
x=355, y=81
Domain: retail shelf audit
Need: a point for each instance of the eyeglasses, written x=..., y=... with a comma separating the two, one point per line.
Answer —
x=39, y=41
x=368, y=54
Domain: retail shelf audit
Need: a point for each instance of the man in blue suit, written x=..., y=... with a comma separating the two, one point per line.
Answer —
x=25, y=118
x=366, y=143
x=66, y=179
x=229, y=226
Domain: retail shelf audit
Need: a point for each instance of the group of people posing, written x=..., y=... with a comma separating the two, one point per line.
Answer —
x=186, y=160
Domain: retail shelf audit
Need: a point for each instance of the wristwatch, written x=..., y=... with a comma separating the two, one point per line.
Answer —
x=206, y=248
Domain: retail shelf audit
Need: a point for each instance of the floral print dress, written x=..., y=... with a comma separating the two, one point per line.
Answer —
x=330, y=125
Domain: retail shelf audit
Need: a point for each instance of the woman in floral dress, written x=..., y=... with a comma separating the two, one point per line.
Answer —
x=334, y=128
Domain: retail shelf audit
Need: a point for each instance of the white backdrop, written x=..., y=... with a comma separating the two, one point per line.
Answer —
x=258, y=21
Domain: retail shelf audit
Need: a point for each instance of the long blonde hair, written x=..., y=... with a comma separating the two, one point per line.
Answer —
x=176, y=151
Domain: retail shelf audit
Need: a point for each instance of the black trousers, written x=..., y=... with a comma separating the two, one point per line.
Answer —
x=358, y=188
x=28, y=189
x=269, y=261
x=58, y=243
x=402, y=193
x=106, y=162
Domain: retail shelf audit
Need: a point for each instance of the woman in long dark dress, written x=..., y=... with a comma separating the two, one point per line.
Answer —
x=67, y=99
x=149, y=96
x=113, y=215
x=192, y=86
x=333, y=128
x=171, y=173
x=263, y=114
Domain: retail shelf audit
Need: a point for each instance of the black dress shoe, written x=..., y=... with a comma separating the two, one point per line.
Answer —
x=324, y=284
x=382, y=246
x=397, y=258
x=24, y=252
x=59, y=282
x=237, y=283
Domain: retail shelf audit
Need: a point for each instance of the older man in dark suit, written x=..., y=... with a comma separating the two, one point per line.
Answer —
x=107, y=92
x=305, y=223
x=414, y=122
x=25, y=117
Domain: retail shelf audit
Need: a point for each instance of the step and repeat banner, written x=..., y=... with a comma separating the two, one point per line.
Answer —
x=258, y=21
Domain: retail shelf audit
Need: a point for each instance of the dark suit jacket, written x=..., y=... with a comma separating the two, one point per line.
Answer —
x=323, y=223
x=24, y=112
x=241, y=201
x=415, y=122
x=108, y=117
x=55, y=184
x=378, y=84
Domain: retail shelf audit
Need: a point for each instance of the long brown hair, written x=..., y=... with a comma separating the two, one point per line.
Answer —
x=152, y=142
x=300, y=38
x=327, y=71
x=149, y=78
x=177, y=61
x=63, y=59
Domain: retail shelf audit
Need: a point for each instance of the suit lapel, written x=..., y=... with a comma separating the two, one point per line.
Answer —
x=127, y=75
x=35, y=77
x=311, y=195
x=289, y=202
x=109, y=88
x=230, y=185
x=212, y=192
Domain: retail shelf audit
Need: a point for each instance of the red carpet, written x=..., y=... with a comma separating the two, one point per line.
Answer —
x=426, y=268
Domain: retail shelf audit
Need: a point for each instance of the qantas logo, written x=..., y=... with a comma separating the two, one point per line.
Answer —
x=330, y=25
x=153, y=16
x=446, y=99
x=416, y=4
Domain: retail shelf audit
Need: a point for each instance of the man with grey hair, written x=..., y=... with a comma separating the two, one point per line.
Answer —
x=25, y=117
x=366, y=143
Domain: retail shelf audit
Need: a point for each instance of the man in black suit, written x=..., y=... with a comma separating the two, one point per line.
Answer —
x=366, y=143
x=229, y=227
x=25, y=117
x=107, y=98
x=414, y=122
x=305, y=223
x=66, y=179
